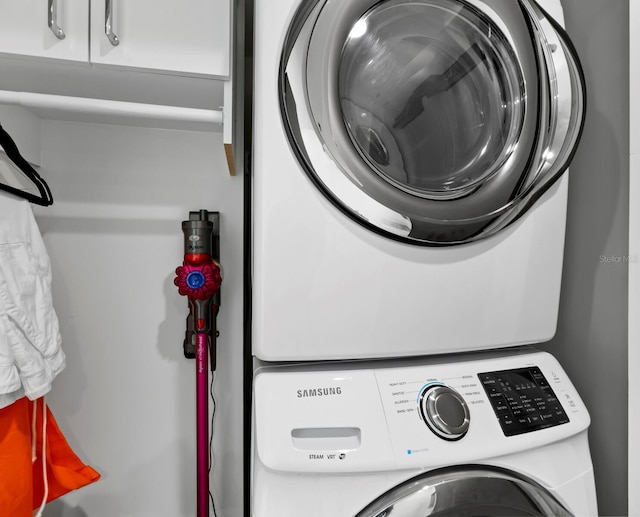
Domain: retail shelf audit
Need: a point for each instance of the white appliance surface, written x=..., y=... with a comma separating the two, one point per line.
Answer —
x=325, y=287
x=331, y=438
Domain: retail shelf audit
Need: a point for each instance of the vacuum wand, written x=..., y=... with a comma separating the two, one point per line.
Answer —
x=199, y=279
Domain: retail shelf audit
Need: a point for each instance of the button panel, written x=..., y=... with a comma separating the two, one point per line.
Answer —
x=523, y=400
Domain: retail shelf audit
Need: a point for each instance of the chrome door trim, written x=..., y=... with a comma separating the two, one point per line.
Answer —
x=554, y=118
x=466, y=490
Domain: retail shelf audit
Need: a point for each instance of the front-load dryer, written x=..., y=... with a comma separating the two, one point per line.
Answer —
x=483, y=434
x=408, y=189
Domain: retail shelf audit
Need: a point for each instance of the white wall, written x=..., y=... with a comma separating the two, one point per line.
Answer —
x=126, y=401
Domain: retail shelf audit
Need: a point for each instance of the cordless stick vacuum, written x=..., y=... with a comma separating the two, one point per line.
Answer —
x=199, y=279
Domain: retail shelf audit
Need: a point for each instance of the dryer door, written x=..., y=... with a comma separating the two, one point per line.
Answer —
x=435, y=122
x=466, y=493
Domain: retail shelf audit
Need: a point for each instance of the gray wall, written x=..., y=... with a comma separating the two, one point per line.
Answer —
x=591, y=341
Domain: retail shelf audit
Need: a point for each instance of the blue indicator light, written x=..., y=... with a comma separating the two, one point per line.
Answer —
x=424, y=387
x=195, y=280
x=408, y=451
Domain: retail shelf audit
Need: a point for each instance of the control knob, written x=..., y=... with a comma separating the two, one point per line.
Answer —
x=444, y=411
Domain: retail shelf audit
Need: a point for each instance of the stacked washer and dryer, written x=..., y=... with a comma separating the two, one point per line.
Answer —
x=409, y=207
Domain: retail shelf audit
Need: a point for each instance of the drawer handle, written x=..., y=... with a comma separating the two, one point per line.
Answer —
x=52, y=20
x=108, y=23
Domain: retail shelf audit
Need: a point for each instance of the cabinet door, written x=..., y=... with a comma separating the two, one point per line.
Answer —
x=24, y=28
x=186, y=37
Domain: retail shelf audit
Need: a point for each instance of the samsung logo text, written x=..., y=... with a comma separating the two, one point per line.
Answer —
x=319, y=392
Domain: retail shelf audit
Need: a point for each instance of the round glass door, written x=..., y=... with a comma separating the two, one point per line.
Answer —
x=432, y=98
x=470, y=492
x=435, y=122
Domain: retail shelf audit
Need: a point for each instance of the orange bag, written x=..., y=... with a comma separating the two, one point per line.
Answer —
x=22, y=481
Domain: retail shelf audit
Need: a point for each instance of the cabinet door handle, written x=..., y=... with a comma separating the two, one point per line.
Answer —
x=52, y=20
x=108, y=23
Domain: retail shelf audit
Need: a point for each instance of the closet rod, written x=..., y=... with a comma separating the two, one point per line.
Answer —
x=80, y=109
x=123, y=213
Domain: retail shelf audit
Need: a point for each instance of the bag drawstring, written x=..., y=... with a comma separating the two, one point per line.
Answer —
x=44, y=451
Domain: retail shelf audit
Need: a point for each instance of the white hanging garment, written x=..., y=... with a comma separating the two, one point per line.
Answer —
x=30, y=352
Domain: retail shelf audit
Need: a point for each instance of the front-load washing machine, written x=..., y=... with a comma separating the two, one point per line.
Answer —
x=480, y=434
x=408, y=187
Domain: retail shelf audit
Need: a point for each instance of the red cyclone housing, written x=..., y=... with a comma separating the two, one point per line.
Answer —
x=198, y=281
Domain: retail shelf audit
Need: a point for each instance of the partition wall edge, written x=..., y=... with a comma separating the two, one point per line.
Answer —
x=634, y=256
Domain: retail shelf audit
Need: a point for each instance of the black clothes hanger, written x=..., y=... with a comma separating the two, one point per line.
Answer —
x=24, y=175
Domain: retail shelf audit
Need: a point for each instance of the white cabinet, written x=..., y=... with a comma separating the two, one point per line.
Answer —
x=24, y=28
x=190, y=37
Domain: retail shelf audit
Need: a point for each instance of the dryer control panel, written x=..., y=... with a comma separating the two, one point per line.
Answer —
x=376, y=416
x=523, y=400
